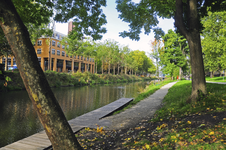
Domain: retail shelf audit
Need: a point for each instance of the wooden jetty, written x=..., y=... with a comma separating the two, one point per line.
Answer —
x=40, y=141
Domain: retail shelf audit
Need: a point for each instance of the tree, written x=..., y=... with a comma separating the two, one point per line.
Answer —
x=173, y=55
x=186, y=13
x=213, y=41
x=157, y=46
x=50, y=114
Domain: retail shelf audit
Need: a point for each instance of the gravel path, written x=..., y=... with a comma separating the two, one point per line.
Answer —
x=142, y=110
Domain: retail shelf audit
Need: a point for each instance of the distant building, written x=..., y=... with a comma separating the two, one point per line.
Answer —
x=54, y=57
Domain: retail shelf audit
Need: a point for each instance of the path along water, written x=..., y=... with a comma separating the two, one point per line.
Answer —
x=18, y=119
x=143, y=109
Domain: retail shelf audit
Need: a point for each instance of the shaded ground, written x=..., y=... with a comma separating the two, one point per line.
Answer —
x=145, y=131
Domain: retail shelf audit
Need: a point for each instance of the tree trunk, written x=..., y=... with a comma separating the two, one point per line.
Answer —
x=118, y=69
x=125, y=70
x=102, y=67
x=211, y=74
x=109, y=67
x=96, y=67
x=114, y=70
x=180, y=73
x=193, y=37
x=49, y=112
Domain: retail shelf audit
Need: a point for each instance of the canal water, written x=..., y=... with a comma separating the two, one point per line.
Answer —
x=19, y=120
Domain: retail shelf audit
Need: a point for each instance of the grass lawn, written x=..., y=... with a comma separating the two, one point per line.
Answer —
x=216, y=79
x=191, y=126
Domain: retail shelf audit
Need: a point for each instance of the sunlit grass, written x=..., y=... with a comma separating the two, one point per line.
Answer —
x=182, y=134
x=216, y=79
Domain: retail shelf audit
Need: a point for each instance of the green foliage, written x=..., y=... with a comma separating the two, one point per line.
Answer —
x=144, y=15
x=173, y=55
x=213, y=41
x=87, y=16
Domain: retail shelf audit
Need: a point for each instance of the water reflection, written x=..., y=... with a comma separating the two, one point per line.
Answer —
x=19, y=120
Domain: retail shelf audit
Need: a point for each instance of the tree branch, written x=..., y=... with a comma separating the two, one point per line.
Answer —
x=179, y=18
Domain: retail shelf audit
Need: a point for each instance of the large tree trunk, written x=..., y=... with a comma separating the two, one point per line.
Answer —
x=114, y=70
x=118, y=69
x=193, y=37
x=39, y=91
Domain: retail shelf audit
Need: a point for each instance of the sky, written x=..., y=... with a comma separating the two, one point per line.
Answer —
x=115, y=25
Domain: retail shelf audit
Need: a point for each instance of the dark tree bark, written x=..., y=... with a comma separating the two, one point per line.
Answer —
x=193, y=37
x=39, y=91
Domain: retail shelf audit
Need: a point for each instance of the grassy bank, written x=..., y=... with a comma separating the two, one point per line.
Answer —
x=56, y=79
x=154, y=86
x=216, y=79
x=181, y=125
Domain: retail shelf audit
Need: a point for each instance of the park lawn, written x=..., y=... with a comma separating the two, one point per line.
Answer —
x=190, y=126
x=216, y=79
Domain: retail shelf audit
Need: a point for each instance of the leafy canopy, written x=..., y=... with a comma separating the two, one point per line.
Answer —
x=144, y=15
x=214, y=40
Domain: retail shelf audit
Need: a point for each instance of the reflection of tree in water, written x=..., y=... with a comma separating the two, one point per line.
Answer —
x=18, y=119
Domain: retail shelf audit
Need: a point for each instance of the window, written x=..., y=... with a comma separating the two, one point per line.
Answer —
x=84, y=58
x=39, y=42
x=39, y=51
x=57, y=36
x=67, y=46
x=53, y=43
x=90, y=59
x=58, y=52
x=58, y=44
x=87, y=58
x=3, y=60
x=63, y=46
x=66, y=55
x=53, y=35
x=81, y=57
x=14, y=61
x=9, y=62
x=63, y=53
x=78, y=56
x=34, y=44
x=53, y=51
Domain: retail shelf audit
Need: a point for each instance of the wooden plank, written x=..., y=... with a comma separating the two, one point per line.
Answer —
x=20, y=146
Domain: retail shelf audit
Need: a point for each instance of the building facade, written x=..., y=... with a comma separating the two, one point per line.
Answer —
x=52, y=56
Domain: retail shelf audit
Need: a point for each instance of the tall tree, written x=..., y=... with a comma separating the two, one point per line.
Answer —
x=173, y=53
x=156, y=47
x=213, y=41
x=50, y=114
x=186, y=13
